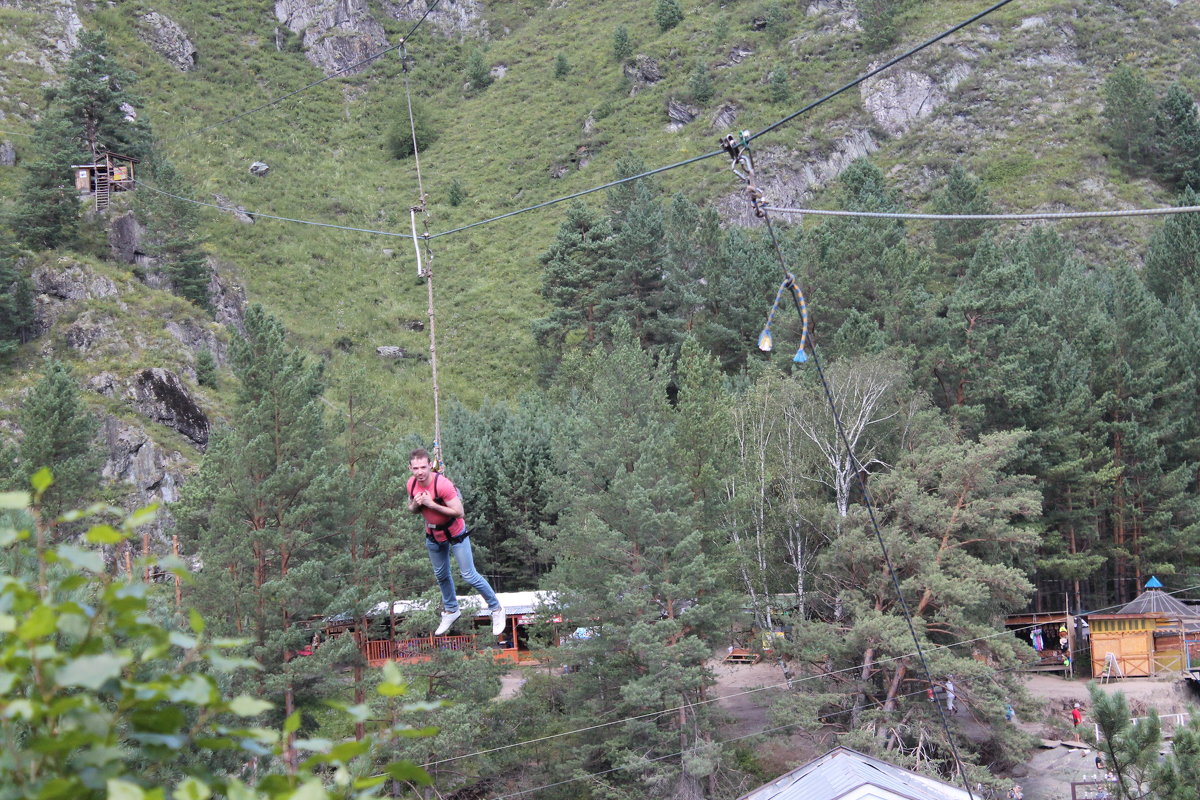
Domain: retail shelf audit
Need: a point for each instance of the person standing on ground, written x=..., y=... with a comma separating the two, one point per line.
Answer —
x=435, y=498
x=1076, y=717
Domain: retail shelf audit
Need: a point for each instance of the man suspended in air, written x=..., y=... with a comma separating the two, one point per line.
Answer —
x=438, y=500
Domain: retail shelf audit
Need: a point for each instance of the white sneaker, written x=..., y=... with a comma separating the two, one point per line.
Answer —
x=499, y=621
x=448, y=619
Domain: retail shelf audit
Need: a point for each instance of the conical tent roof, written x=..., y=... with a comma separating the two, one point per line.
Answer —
x=1156, y=601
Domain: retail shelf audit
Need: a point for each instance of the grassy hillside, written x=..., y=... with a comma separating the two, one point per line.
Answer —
x=1025, y=120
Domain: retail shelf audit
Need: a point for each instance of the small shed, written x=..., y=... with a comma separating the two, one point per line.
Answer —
x=1052, y=635
x=111, y=172
x=842, y=774
x=1151, y=634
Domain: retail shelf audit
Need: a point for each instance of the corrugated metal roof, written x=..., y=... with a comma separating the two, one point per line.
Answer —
x=513, y=602
x=843, y=770
x=1156, y=601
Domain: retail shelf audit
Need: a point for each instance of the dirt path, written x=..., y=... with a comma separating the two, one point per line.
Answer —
x=1050, y=771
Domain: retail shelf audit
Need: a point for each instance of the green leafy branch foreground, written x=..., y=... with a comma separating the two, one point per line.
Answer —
x=100, y=699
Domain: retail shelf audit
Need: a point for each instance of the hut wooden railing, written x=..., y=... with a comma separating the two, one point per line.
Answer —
x=378, y=651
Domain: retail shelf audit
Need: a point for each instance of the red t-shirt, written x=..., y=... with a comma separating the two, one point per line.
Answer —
x=435, y=521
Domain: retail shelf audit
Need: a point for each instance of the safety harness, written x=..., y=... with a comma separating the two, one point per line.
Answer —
x=438, y=533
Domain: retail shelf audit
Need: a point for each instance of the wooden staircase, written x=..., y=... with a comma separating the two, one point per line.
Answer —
x=103, y=189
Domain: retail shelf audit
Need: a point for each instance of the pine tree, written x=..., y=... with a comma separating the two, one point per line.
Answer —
x=577, y=267
x=700, y=83
x=955, y=517
x=1173, y=259
x=172, y=234
x=399, y=141
x=47, y=213
x=16, y=306
x=1179, y=774
x=1130, y=750
x=1137, y=421
x=1177, y=139
x=877, y=18
x=622, y=46
x=633, y=566
x=737, y=288
x=206, y=369
x=1129, y=112
x=780, y=88
x=59, y=433
x=502, y=463
x=956, y=240
x=95, y=99
x=562, y=67
x=266, y=514
x=640, y=291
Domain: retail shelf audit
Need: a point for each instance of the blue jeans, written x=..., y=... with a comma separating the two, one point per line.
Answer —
x=439, y=556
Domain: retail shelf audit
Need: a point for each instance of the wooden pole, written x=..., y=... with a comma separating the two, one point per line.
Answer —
x=178, y=582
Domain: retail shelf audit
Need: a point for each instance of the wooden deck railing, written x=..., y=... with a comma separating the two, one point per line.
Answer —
x=380, y=650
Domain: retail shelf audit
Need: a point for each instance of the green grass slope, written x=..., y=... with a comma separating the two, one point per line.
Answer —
x=1026, y=119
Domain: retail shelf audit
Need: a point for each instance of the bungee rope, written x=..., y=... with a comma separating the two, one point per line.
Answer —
x=738, y=149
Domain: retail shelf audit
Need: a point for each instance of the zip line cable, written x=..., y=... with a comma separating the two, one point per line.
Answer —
x=787, y=684
x=742, y=156
x=814, y=104
x=563, y=199
x=257, y=215
x=886, y=65
x=611, y=770
x=1037, y=215
x=331, y=76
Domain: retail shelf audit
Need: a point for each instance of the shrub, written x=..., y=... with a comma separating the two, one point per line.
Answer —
x=667, y=14
x=561, y=66
x=700, y=83
x=622, y=46
x=781, y=90
x=479, y=72
x=400, y=136
x=456, y=193
x=206, y=369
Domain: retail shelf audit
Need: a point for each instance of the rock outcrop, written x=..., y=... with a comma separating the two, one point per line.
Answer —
x=152, y=473
x=228, y=298
x=788, y=178
x=457, y=18
x=643, y=71
x=898, y=98
x=680, y=113
x=125, y=238
x=8, y=154
x=160, y=396
x=168, y=39
x=239, y=212
x=336, y=34
x=56, y=288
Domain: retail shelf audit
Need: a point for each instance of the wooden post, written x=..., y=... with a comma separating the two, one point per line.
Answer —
x=178, y=582
x=146, y=555
x=128, y=563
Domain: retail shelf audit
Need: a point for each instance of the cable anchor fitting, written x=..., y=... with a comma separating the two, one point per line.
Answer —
x=738, y=149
